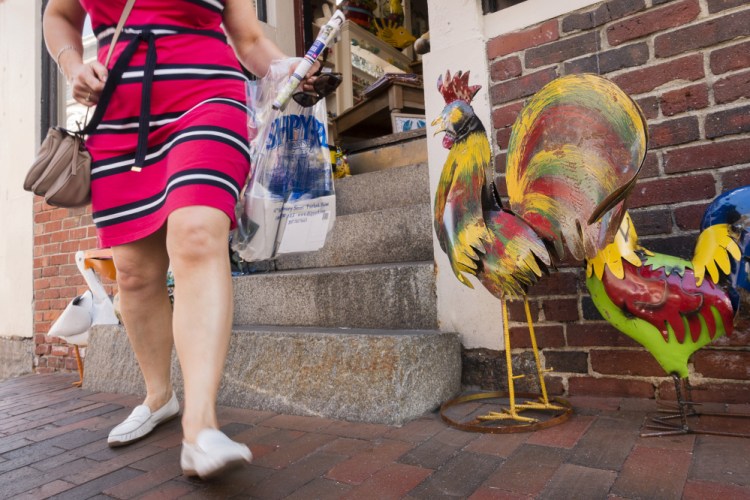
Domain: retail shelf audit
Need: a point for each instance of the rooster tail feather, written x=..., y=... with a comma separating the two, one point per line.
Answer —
x=612, y=200
x=715, y=245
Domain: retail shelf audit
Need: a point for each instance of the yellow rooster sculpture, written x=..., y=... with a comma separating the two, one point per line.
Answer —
x=574, y=154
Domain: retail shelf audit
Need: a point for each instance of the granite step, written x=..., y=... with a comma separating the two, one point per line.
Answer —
x=401, y=234
x=385, y=296
x=362, y=375
x=385, y=154
x=392, y=188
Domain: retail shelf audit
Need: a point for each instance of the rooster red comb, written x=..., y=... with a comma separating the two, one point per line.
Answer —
x=457, y=88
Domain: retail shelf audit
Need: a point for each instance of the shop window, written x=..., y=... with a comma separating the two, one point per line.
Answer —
x=261, y=8
x=49, y=88
x=490, y=6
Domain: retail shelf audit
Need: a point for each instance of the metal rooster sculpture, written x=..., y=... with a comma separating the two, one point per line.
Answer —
x=573, y=156
x=673, y=306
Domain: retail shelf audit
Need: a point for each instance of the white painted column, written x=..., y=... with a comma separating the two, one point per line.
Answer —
x=457, y=42
x=20, y=42
x=280, y=26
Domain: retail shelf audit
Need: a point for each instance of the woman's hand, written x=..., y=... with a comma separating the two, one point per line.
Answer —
x=63, y=22
x=307, y=83
x=87, y=81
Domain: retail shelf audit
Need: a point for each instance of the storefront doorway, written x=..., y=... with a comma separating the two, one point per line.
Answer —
x=382, y=90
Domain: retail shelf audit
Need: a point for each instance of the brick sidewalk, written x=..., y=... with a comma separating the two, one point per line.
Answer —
x=53, y=444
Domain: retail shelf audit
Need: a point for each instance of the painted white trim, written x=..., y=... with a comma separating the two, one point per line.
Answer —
x=529, y=13
x=458, y=43
x=20, y=84
x=280, y=25
x=271, y=14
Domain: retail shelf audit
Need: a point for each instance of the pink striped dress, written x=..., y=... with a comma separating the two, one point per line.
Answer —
x=173, y=121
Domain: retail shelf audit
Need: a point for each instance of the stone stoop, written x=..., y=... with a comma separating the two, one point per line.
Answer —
x=349, y=332
x=362, y=375
x=16, y=356
x=377, y=237
x=394, y=296
x=392, y=188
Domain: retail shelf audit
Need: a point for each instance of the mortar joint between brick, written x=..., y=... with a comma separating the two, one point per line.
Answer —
x=604, y=40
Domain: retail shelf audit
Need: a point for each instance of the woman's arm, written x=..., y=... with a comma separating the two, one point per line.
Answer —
x=253, y=48
x=62, y=24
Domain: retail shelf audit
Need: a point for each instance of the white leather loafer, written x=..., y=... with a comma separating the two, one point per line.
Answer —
x=212, y=454
x=142, y=421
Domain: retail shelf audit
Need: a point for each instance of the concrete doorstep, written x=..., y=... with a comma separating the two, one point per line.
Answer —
x=377, y=376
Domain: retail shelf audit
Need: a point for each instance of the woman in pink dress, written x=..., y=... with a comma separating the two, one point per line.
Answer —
x=170, y=156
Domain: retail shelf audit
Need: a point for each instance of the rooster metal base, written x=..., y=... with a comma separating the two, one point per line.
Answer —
x=546, y=415
x=663, y=428
x=546, y=412
x=686, y=410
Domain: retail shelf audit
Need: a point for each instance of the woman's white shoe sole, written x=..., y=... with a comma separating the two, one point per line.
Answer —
x=212, y=454
x=232, y=464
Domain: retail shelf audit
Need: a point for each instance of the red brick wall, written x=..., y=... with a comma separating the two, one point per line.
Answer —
x=687, y=63
x=58, y=234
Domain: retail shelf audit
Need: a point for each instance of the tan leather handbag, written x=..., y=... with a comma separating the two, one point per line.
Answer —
x=61, y=171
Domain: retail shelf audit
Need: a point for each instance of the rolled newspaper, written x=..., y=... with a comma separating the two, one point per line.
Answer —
x=325, y=38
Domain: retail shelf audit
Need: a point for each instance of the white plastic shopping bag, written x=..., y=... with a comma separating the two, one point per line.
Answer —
x=289, y=203
x=305, y=224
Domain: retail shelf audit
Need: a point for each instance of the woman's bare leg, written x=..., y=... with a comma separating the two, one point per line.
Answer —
x=197, y=239
x=146, y=311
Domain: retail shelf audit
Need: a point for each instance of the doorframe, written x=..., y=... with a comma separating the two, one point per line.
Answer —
x=302, y=26
x=50, y=90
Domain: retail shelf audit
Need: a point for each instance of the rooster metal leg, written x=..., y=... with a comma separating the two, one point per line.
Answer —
x=668, y=429
x=690, y=405
x=543, y=403
x=512, y=411
x=680, y=403
x=686, y=409
x=508, y=420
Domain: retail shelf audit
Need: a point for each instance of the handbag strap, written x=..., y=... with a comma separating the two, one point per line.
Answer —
x=118, y=30
x=120, y=24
